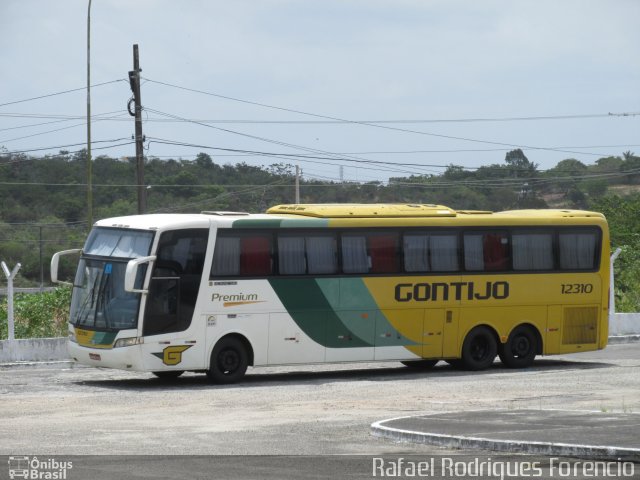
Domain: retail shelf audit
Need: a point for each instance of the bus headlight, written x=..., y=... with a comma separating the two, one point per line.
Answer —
x=72, y=337
x=128, y=342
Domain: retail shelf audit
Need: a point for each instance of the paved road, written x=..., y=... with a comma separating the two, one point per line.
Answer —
x=66, y=410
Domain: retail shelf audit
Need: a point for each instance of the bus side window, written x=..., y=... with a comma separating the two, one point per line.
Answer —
x=443, y=251
x=370, y=253
x=383, y=251
x=424, y=252
x=291, y=258
x=532, y=251
x=416, y=252
x=486, y=251
x=578, y=250
x=242, y=255
x=354, y=254
x=312, y=254
x=322, y=254
x=255, y=256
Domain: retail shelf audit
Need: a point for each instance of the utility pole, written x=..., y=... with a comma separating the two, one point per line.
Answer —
x=89, y=165
x=297, y=184
x=134, y=81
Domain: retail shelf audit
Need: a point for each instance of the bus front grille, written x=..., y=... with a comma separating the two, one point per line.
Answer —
x=580, y=325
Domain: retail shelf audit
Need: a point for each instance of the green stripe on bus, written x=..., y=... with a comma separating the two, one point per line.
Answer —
x=104, y=338
x=257, y=223
x=336, y=312
x=312, y=312
x=281, y=223
x=358, y=310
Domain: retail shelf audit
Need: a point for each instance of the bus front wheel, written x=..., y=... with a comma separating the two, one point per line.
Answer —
x=520, y=349
x=479, y=349
x=229, y=361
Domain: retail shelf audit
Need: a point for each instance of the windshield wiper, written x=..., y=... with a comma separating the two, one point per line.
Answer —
x=89, y=300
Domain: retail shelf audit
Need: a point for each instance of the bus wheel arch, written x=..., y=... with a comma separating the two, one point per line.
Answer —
x=522, y=346
x=229, y=359
x=479, y=348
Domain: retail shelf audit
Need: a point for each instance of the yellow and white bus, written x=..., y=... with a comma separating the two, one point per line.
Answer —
x=217, y=292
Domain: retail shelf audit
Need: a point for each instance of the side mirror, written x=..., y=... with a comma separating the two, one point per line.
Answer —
x=132, y=273
x=55, y=261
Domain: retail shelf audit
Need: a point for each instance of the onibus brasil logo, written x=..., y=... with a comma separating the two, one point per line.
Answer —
x=38, y=469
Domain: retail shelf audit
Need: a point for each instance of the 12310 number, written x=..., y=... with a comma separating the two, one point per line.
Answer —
x=570, y=288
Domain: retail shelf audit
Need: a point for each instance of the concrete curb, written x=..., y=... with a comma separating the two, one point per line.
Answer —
x=43, y=364
x=621, y=339
x=33, y=350
x=378, y=429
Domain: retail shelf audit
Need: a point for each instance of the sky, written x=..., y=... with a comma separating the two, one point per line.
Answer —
x=414, y=84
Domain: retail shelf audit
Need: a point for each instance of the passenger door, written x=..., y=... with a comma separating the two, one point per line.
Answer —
x=172, y=339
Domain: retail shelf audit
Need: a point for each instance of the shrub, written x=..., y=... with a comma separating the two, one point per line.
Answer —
x=38, y=315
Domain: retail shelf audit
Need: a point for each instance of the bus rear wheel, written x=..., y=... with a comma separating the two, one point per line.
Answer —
x=229, y=361
x=420, y=364
x=479, y=349
x=520, y=349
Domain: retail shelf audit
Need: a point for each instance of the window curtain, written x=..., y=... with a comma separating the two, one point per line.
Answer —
x=226, y=257
x=291, y=259
x=322, y=257
x=255, y=256
x=532, y=251
x=444, y=253
x=473, y=253
x=577, y=251
x=383, y=250
x=416, y=258
x=354, y=255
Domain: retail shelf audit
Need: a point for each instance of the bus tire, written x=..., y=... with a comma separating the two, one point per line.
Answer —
x=479, y=349
x=168, y=375
x=520, y=349
x=420, y=364
x=229, y=361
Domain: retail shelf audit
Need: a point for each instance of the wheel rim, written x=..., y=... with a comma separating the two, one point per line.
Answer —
x=228, y=361
x=479, y=348
x=521, y=346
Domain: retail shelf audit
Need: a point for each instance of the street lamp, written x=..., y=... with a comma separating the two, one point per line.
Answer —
x=89, y=167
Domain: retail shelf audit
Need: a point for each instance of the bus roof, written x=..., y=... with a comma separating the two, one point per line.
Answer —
x=392, y=210
x=364, y=210
x=333, y=215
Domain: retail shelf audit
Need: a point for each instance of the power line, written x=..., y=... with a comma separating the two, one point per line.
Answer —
x=342, y=122
x=309, y=158
x=328, y=119
x=14, y=152
x=300, y=157
x=276, y=142
x=61, y=93
x=355, y=122
x=31, y=125
x=52, y=131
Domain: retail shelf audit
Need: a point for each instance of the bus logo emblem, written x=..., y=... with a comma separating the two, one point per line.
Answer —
x=172, y=355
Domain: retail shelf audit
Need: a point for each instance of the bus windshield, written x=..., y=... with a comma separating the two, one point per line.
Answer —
x=99, y=300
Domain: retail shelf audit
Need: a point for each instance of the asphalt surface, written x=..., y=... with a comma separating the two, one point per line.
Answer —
x=310, y=421
x=550, y=432
x=598, y=434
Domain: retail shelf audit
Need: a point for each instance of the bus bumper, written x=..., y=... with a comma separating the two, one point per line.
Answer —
x=123, y=358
